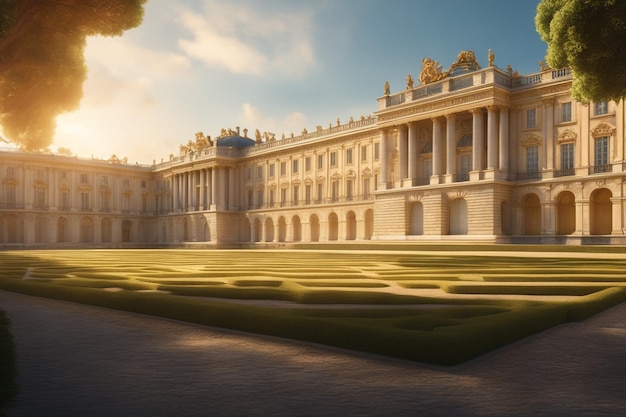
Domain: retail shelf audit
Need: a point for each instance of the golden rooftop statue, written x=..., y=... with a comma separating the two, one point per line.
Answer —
x=432, y=71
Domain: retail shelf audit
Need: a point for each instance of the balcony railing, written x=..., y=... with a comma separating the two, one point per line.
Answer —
x=565, y=172
x=534, y=175
x=597, y=169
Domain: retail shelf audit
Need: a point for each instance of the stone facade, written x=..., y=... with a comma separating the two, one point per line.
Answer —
x=470, y=154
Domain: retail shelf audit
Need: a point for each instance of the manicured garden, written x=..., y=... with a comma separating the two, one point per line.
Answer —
x=436, y=307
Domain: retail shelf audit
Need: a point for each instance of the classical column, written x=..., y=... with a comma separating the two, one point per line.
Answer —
x=548, y=134
x=202, y=203
x=413, y=152
x=231, y=188
x=402, y=151
x=450, y=147
x=477, y=140
x=384, y=159
x=492, y=138
x=437, y=150
x=504, y=140
x=213, y=186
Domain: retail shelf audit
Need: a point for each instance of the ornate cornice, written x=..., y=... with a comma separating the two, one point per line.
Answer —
x=531, y=140
x=603, y=129
x=567, y=136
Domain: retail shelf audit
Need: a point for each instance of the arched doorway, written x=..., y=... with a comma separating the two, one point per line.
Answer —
x=458, y=216
x=269, y=230
x=350, y=226
x=369, y=224
x=62, y=230
x=531, y=213
x=105, y=230
x=86, y=230
x=333, y=226
x=127, y=224
x=314, y=224
x=244, y=230
x=416, y=219
x=282, y=229
x=565, y=213
x=600, y=212
x=297, y=229
x=258, y=230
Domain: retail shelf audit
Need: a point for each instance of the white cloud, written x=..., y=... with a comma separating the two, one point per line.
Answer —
x=251, y=117
x=250, y=41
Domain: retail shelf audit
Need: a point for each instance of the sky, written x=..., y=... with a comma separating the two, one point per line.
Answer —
x=275, y=65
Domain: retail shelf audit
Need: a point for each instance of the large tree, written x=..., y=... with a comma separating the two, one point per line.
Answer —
x=588, y=37
x=42, y=67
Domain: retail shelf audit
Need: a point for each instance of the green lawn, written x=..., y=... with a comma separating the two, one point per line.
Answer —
x=441, y=308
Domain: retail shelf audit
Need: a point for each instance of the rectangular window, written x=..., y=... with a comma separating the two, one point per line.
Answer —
x=366, y=188
x=106, y=202
x=349, y=190
x=601, y=155
x=334, y=191
x=349, y=156
x=531, y=118
x=283, y=197
x=283, y=169
x=84, y=179
x=105, y=180
x=296, y=195
x=307, y=163
x=40, y=197
x=248, y=173
x=143, y=183
x=566, y=112
x=259, y=172
x=427, y=169
x=567, y=156
x=532, y=159
x=307, y=194
x=84, y=202
x=250, y=199
x=465, y=165
x=10, y=172
x=271, y=198
x=600, y=108
x=333, y=159
x=65, y=200
x=294, y=166
x=272, y=171
x=11, y=196
x=320, y=161
x=376, y=151
x=320, y=190
x=364, y=153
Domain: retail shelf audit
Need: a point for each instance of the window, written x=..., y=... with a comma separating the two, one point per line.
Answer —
x=601, y=155
x=333, y=159
x=250, y=199
x=566, y=112
x=334, y=191
x=11, y=197
x=376, y=151
x=296, y=194
x=532, y=159
x=364, y=153
x=65, y=200
x=144, y=203
x=320, y=189
x=105, y=180
x=84, y=201
x=271, y=198
x=307, y=194
x=366, y=188
x=106, y=202
x=567, y=156
x=307, y=163
x=600, y=108
x=259, y=172
x=40, y=197
x=349, y=190
x=320, y=161
x=283, y=197
x=531, y=118
x=259, y=198
x=84, y=179
x=466, y=166
x=283, y=168
x=349, y=156
x=248, y=173
x=294, y=166
x=427, y=168
x=10, y=172
x=126, y=183
x=143, y=183
x=271, y=170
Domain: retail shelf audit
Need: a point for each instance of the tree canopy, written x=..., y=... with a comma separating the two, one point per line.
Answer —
x=42, y=66
x=587, y=36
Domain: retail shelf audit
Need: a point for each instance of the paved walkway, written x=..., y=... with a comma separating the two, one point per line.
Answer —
x=78, y=360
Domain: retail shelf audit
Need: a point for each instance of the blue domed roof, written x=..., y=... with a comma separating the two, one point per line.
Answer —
x=235, y=141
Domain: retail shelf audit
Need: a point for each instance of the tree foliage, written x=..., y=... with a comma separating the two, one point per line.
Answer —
x=42, y=67
x=587, y=36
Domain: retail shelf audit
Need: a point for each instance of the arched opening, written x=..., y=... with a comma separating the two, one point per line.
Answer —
x=565, y=213
x=314, y=224
x=297, y=229
x=269, y=230
x=531, y=215
x=282, y=229
x=416, y=219
x=105, y=230
x=350, y=226
x=206, y=235
x=258, y=230
x=369, y=224
x=333, y=226
x=126, y=226
x=458, y=216
x=86, y=230
x=13, y=231
x=41, y=230
x=244, y=230
x=63, y=234
x=600, y=211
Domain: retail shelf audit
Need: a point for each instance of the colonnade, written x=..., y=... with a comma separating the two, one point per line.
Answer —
x=212, y=188
x=445, y=139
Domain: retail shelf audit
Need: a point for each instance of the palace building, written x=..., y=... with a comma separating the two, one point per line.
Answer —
x=469, y=154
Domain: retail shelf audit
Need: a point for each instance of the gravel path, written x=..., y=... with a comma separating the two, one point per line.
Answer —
x=78, y=360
